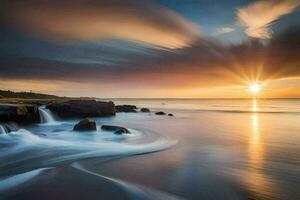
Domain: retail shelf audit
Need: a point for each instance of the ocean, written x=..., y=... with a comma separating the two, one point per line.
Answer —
x=209, y=149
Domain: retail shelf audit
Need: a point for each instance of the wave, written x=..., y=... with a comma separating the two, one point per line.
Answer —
x=66, y=146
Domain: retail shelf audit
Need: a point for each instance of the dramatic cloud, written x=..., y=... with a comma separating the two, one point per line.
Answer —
x=204, y=64
x=259, y=16
x=98, y=19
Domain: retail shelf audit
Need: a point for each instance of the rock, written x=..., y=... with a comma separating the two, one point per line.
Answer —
x=126, y=108
x=160, y=113
x=145, y=110
x=85, y=125
x=23, y=114
x=170, y=114
x=122, y=131
x=82, y=108
x=116, y=129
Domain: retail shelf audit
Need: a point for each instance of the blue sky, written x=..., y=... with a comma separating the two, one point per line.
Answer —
x=211, y=15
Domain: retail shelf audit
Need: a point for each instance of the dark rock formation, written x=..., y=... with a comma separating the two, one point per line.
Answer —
x=170, y=114
x=122, y=131
x=126, y=108
x=82, y=108
x=85, y=125
x=23, y=114
x=145, y=110
x=116, y=129
x=160, y=113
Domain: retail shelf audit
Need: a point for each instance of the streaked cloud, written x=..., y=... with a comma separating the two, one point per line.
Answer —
x=203, y=64
x=93, y=20
x=258, y=17
x=223, y=30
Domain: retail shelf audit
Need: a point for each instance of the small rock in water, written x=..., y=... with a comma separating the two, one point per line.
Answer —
x=170, y=114
x=116, y=129
x=126, y=108
x=160, y=113
x=122, y=131
x=85, y=125
x=145, y=110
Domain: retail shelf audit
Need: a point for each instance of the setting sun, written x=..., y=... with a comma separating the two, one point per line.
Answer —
x=255, y=88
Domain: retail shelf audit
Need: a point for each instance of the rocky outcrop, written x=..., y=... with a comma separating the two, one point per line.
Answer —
x=115, y=129
x=145, y=110
x=85, y=125
x=160, y=113
x=170, y=114
x=126, y=108
x=21, y=114
x=82, y=108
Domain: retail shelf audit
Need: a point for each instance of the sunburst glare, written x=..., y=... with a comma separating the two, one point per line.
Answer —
x=255, y=88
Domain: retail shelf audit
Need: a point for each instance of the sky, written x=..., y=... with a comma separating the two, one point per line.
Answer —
x=151, y=49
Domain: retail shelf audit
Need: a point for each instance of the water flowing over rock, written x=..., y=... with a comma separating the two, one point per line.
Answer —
x=46, y=115
x=2, y=129
x=82, y=108
x=23, y=114
x=8, y=127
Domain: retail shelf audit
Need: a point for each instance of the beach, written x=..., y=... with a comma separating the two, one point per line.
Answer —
x=209, y=149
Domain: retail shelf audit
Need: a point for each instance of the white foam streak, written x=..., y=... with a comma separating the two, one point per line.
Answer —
x=13, y=181
x=69, y=146
x=116, y=149
x=135, y=191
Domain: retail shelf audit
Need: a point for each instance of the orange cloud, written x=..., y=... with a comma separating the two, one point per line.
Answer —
x=97, y=20
x=259, y=16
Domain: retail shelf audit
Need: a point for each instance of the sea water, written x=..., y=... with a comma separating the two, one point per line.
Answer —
x=210, y=149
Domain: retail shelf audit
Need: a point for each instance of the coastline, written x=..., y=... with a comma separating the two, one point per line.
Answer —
x=213, y=159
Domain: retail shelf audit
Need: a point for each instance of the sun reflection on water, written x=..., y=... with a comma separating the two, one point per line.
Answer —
x=255, y=143
x=257, y=180
x=254, y=105
x=256, y=147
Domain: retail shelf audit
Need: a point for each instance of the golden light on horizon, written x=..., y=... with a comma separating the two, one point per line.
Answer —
x=255, y=88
